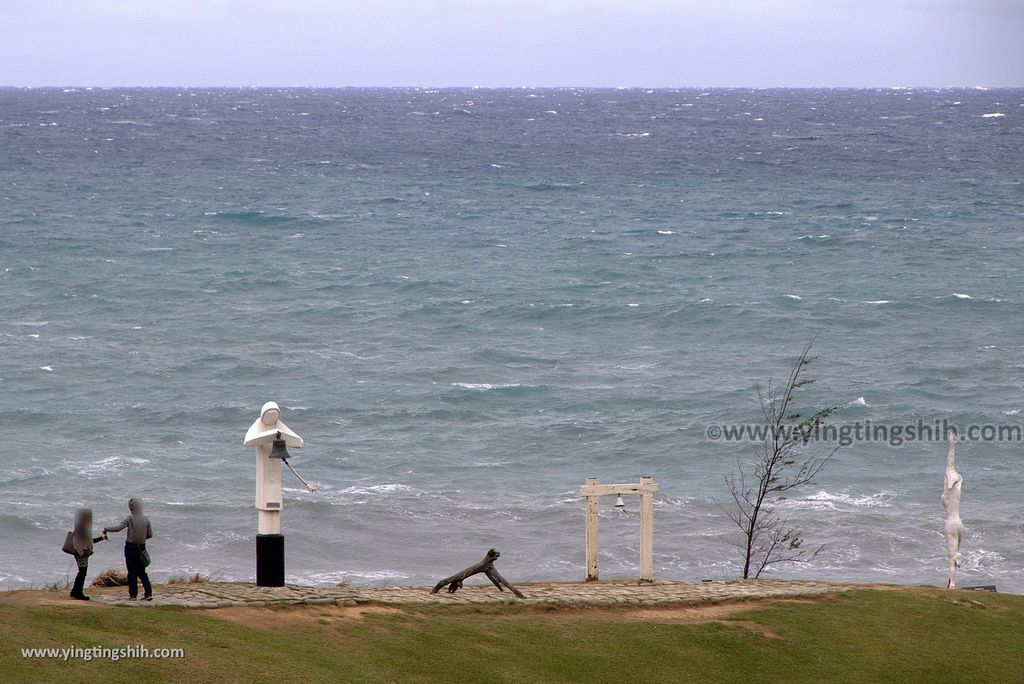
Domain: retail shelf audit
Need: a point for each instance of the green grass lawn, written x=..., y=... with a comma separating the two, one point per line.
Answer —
x=912, y=635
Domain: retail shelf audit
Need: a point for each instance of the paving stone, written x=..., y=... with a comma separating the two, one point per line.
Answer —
x=660, y=593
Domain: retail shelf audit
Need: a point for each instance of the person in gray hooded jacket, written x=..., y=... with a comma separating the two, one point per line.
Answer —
x=139, y=531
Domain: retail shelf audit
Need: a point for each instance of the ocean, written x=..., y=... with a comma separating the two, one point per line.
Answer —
x=468, y=301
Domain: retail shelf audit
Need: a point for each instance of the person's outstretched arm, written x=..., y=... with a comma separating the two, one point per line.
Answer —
x=117, y=528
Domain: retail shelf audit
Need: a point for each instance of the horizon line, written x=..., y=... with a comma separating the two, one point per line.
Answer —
x=517, y=87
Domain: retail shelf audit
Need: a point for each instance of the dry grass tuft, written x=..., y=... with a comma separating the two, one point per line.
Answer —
x=60, y=584
x=197, y=578
x=111, y=577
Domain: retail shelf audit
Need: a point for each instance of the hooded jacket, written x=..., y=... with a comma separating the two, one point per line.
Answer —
x=139, y=527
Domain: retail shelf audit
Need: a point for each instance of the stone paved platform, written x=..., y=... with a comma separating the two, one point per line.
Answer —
x=556, y=594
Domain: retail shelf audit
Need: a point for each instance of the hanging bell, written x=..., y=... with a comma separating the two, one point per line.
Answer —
x=279, y=451
x=620, y=504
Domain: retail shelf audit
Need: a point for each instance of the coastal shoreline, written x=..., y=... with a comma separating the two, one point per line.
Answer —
x=609, y=593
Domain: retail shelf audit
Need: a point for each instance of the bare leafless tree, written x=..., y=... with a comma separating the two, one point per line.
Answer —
x=780, y=465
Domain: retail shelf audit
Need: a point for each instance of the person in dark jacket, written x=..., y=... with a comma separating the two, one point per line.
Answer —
x=139, y=531
x=82, y=541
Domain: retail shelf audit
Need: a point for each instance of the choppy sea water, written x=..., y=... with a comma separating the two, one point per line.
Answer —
x=468, y=301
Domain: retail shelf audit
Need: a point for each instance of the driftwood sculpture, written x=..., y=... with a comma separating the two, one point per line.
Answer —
x=954, y=527
x=486, y=566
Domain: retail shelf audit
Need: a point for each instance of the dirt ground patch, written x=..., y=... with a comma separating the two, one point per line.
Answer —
x=46, y=597
x=273, y=619
x=718, y=613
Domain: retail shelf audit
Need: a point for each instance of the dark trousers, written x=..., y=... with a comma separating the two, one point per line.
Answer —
x=76, y=590
x=136, y=570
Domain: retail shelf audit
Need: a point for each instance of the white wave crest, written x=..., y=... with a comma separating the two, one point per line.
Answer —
x=827, y=501
x=375, y=576
x=979, y=560
x=377, y=489
x=110, y=464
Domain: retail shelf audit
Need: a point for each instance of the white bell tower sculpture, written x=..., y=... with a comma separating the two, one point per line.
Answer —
x=270, y=437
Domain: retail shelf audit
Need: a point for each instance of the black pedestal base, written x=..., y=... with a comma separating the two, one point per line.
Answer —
x=270, y=560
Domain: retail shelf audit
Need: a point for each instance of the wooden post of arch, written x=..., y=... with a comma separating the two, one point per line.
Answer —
x=593, y=490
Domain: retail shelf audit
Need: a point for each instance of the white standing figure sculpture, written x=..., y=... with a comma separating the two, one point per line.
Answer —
x=951, y=502
x=270, y=437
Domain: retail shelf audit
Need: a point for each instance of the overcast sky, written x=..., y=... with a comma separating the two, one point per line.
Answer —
x=512, y=42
